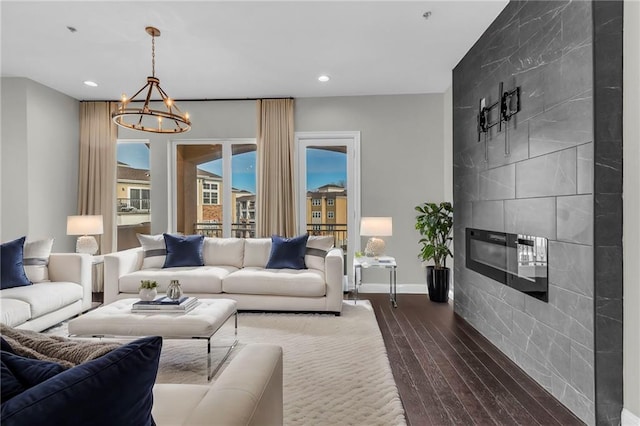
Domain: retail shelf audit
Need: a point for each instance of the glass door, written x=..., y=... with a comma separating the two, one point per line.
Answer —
x=328, y=193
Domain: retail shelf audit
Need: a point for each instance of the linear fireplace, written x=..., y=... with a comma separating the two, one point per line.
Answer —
x=517, y=260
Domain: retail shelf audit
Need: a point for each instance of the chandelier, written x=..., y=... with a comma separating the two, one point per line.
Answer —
x=168, y=120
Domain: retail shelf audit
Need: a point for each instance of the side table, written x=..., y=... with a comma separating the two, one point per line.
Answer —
x=382, y=262
x=97, y=275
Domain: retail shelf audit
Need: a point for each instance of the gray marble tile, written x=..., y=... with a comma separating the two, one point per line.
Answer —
x=566, y=125
x=498, y=183
x=488, y=215
x=576, y=401
x=575, y=219
x=608, y=165
x=469, y=160
x=516, y=138
x=466, y=187
x=574, y=305
x=531, y=216
x=571, y=267
x=608, y=272
x=538, y=371
x=585, y=169
x=551, y=174
x=582, y=370
x=608, y=220
x=569, y=75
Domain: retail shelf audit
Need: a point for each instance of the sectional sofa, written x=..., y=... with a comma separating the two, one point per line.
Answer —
x=66, y=292
x=235, y=268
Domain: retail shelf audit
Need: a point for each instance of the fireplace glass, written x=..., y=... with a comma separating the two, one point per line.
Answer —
x=517, y=260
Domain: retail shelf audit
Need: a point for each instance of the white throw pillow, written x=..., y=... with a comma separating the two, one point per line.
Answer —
x=223, y=251
x=317, y=248
x=155, y=251
x=36, y=259
x=256, y=252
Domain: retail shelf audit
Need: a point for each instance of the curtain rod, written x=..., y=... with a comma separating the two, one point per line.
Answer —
x=193, y=100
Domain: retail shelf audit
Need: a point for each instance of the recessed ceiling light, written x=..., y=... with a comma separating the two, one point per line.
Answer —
x=323, y=78
x=427, y=14
x=91, y=83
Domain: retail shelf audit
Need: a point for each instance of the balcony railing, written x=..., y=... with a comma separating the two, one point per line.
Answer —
x=238, y=230
x=133, y=205
x=248, y=230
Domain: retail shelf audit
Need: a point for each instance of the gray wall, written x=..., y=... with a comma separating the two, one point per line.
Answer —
x=401, y=156
x=544, y=188
x=40, y=145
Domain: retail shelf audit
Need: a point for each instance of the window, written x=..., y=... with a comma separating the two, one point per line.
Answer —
x=209, y=193
x=316, y=215
x=133, y=192
x=139, y=198
x=210, y=178
x=330, y=202
x=316, y=202
x=330, y=215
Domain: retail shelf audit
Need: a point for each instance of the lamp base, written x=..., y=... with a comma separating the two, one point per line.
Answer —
x=87, y=244
x=375, y=247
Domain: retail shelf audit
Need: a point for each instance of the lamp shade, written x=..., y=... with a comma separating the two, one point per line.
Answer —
x=376, y=226
x=84, y=225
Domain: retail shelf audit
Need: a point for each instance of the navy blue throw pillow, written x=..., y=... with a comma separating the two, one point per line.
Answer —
x=183, y=250
x=115, y=389
x=20, y=373
x=11, y=266
x=288, y=253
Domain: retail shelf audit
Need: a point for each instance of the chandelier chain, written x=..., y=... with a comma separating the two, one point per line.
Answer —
x=153, y=55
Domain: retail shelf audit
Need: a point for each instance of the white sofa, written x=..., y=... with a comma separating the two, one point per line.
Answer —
x=247, y=392
x=42, y=305
x=234, y=268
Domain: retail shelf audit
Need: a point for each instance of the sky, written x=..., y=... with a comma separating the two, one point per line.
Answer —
x=323, y=167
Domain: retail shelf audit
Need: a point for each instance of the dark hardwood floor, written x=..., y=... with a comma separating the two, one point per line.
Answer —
x=449, y=374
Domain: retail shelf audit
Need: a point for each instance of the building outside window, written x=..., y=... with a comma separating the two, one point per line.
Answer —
x=330, y=215
x=316, y=214
x=316, y=202
x=330, y=202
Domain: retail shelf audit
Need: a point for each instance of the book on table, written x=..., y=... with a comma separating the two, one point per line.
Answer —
x=165, y=304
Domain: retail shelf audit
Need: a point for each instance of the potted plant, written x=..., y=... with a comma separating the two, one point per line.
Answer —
x=148, y=290
x=434, y=223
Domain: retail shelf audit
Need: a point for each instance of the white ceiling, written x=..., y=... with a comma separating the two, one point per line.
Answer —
x=241, y=49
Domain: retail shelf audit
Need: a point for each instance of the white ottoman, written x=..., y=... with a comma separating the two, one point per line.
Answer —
x=116, y=320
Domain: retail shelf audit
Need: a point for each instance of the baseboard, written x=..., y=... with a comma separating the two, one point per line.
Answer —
x=627, y=418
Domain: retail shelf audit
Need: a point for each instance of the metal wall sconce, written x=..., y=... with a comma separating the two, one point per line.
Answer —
x=509, y=104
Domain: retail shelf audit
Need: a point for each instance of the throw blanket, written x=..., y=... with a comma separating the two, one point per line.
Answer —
x=66, y=352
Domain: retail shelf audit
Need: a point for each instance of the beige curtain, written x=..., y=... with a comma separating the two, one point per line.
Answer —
x=97, y=171
x=276, y=201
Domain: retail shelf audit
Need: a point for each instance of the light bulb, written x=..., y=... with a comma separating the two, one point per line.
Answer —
x=124, y=98
x=186, y=116
x=169, y=102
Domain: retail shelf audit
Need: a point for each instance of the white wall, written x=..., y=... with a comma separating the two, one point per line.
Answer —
x=40, y=145
x=448, y=144
x=401, y=162
x=631, y=225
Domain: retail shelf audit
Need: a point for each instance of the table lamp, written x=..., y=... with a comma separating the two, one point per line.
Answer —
x=86, y=227
x=375, y=227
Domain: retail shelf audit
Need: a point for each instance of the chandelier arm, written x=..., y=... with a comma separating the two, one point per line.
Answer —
x=138, y=92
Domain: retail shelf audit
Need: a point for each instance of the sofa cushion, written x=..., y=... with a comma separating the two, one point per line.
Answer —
x=13, y=312
x=11, y=264
x=169, y=410
x=115, y=389
x=223, y=251
x=193, y=279
x=36, y=259
x=46, y=297
x=317, y=248
x=287, y=253
x=20, y=373
x=256, y=252
x=183, y=250
x=154, y=250
x=280, y=282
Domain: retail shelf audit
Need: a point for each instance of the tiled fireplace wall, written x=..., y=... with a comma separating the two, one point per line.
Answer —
x=544, y=187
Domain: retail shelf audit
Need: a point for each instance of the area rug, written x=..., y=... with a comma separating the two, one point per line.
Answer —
x=336, y=370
